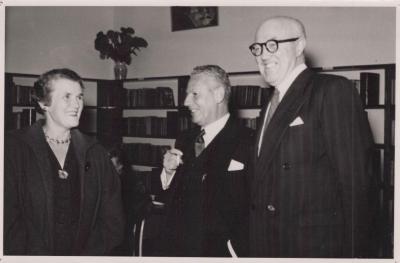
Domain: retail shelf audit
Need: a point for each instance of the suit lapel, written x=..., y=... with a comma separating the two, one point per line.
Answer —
x=216, y=155
x=188, y=146
x=287, y=110
x=218, y=150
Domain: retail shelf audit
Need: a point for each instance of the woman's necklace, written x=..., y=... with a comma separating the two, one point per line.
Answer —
x=59, y=151
x=58, y=141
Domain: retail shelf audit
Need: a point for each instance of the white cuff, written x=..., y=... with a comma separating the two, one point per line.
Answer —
x=164, y=181
x=231, y=250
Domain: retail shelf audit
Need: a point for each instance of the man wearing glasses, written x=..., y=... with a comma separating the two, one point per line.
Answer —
x=312, y=193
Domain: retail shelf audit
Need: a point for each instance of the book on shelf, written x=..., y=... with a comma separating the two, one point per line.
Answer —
x=146, y=126
x=249, y=122
x=150, y=97
x=185, y=121
x=172, y=123
x=248, y=96
x=166, y=96
x=369, y=88
x=22, y=95
x=245, y=95
x=182, y=84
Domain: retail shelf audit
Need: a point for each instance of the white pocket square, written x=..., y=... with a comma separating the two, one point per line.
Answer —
x=297, y=121
x=235, y=166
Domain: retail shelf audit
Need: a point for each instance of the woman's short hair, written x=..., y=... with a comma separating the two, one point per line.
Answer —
x=42, y=88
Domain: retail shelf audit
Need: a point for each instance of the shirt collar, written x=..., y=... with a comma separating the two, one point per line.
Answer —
x=284, y=86
x=212, y=129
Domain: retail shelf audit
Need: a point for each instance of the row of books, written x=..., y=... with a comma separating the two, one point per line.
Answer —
x=173, y=124
x=22, y=95
x=241, y=95
x=150, y=97
x=179, y=121
x=248, y=95
x=146, y=126
x=167, y=127
x=145, y=153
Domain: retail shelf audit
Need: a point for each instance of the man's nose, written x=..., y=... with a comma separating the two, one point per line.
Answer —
x=187, y=101
x=265, y=53
x=75, y=102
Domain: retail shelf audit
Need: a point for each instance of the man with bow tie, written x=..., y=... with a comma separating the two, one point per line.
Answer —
x=312, y=193
x=206, y=175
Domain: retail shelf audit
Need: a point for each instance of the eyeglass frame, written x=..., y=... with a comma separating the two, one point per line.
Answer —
x=271, y=40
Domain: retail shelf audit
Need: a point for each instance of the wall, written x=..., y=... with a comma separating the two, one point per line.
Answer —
x=39, y=38
x=336, y=36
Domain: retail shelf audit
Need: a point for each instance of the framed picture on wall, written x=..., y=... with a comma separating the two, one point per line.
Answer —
x=192, y=17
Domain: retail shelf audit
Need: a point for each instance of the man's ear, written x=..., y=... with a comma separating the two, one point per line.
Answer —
x=301, y=45
x=219, y=94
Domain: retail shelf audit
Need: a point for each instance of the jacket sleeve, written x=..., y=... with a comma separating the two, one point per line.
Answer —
x=109, y=226
x=348, y=140
x=14, y=228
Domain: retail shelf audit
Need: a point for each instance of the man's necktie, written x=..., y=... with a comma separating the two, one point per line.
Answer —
x=274, y=104
x=199, y=143
x=272, y=108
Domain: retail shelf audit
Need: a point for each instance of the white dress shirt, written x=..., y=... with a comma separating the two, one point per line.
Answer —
x=211, y=131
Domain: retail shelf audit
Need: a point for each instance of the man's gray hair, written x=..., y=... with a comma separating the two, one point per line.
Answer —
x=218, y=73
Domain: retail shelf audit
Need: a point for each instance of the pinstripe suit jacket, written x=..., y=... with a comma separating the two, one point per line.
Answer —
x=311, y=190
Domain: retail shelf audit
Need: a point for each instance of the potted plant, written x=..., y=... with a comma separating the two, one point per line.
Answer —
x=119, y=46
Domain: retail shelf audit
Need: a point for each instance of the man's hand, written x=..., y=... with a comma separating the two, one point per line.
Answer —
x=172, y=159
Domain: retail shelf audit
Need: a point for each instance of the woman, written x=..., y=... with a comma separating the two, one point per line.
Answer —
x=61, y=191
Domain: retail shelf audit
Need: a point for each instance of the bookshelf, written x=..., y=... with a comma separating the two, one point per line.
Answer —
x=150, y=117
x=146, y=115
x=19, y=109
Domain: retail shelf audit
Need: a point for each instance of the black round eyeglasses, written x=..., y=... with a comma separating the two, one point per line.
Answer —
x=271, y=45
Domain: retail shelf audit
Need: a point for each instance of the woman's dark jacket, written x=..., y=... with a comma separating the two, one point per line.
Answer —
x=29, y=196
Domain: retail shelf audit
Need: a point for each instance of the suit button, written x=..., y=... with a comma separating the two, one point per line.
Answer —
x=271, y=208
x=286, y=166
